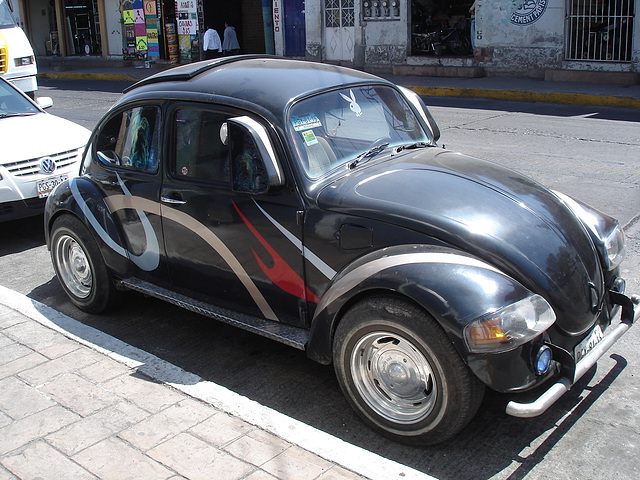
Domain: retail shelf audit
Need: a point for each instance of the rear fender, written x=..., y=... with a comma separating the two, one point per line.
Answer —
x=82, y=198
x=455, y=288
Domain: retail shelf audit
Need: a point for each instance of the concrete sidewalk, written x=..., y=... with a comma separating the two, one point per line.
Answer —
x=77, y=403
x=496, y=88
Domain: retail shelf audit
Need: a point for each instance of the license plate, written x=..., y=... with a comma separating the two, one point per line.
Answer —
x=586, y=345
x=46, y=185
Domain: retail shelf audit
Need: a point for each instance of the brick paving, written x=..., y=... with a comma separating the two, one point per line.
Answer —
x=68, y=411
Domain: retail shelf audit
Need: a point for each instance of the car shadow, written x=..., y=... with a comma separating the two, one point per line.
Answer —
x=21, y=235
x=283, y=379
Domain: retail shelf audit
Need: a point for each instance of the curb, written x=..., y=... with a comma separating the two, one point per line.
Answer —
x=581, y=99
x=88, y=76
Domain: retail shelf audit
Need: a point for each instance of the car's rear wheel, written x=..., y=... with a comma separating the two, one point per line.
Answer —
x=400, y=372
x=80, y=267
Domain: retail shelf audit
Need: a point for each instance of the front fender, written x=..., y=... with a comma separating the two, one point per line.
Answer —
x=454, y=287
x=82, y=198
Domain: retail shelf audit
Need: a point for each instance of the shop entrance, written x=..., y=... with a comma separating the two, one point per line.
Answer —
x=441, y=28
x=83, y=29
x=245, y=16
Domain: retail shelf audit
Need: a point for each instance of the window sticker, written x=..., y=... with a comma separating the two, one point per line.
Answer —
x=305, y=122
x=353, y=104
x=309, y=138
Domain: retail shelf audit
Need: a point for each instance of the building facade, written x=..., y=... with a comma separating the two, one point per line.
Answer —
x=498, y=37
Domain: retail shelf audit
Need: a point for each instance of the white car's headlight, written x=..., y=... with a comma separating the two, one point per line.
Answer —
x=509, y=327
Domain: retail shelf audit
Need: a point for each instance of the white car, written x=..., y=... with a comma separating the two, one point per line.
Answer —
x=38, y=151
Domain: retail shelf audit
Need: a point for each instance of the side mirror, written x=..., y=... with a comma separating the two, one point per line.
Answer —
x=415, y=100
x=254, y=164
x=44, y=102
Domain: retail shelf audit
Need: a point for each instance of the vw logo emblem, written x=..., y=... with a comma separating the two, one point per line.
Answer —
x=47, y=165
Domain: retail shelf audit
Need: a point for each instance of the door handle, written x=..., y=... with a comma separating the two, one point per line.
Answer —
x=172, y=201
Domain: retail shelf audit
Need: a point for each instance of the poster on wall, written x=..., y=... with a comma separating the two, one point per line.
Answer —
x=187, y=20
x=140, y=27
x=151, y=21
x=128, y=17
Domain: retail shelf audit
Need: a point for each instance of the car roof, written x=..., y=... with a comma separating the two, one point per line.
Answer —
x=267, y=81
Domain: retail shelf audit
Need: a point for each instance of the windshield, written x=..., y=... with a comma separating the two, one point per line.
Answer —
x=336, y=127
x=12, y=103
x=6, y=20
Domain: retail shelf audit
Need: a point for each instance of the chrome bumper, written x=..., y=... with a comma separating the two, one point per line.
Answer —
x=555, y=391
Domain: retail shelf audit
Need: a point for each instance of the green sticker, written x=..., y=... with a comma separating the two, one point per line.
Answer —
x=309, y=138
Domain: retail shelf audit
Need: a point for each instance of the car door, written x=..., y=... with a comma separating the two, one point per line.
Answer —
x=227, y=242
x=125, y=165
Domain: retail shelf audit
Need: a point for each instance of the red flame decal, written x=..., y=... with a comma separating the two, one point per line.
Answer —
x=280, y=273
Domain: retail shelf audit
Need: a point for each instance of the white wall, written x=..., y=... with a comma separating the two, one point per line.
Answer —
x=38, y=25
x=112, y=32
x=516, y=40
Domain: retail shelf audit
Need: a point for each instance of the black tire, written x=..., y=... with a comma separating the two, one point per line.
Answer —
x=459, y=46
x=401, y=373
x=80, y=267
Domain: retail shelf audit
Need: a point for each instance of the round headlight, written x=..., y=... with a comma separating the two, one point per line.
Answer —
x=614, y=247
x=510, y=326
x=543, y=360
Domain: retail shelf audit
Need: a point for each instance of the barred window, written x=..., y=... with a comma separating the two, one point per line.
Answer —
x=599, y=30
x=339, y=13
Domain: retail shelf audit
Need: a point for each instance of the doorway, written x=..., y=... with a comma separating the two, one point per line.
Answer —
x=83, y=28
x=339, y=31
x=294, y=28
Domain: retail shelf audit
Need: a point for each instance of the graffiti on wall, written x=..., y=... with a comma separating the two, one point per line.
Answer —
x=528, y=11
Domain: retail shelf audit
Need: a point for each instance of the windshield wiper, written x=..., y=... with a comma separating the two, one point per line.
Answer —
x=13, y=114
x=372, y=151
x=412, y=146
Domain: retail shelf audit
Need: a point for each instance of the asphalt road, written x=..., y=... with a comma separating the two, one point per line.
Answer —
x=592, y=432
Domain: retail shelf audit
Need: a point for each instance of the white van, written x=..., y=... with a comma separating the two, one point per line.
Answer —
x=17, y=62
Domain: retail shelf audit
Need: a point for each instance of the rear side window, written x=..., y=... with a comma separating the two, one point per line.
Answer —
x=199, y=152
x=130, y=139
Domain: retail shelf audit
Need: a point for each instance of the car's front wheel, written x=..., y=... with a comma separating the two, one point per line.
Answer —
x=79, y=265
x=400, y=372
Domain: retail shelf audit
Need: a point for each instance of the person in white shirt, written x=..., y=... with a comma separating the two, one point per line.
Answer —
x=211, y=44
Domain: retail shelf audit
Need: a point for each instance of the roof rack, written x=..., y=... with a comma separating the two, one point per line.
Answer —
x=187, y=72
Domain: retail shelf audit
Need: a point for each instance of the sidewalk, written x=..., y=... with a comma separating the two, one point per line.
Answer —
x=77, y=403
x=496, y=88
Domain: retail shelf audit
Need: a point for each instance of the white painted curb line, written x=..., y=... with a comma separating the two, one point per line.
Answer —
x=333, y=449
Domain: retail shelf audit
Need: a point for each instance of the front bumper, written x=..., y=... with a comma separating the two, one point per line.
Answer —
x=555, y=391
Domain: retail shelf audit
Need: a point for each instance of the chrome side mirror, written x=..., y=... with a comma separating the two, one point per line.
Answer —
x=415, y=100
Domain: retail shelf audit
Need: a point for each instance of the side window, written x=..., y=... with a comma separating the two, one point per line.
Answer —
x=130, y=139
x=199, y=151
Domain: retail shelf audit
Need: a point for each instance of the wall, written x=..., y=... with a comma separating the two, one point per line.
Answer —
x=386, y=41
x=111, y=33
x=313, y=22
x=515, y=40
x=38, y=26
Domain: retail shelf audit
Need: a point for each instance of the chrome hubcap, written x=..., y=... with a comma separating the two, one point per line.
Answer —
x=393, y=377
x=73, y=266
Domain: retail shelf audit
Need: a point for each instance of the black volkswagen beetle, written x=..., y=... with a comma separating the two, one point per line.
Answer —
x=310, y=204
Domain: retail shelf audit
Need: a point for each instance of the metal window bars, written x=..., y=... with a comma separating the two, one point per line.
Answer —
x=599, y=30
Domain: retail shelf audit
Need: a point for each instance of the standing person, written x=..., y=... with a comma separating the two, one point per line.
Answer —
x=230, y=45
x=211, y=44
